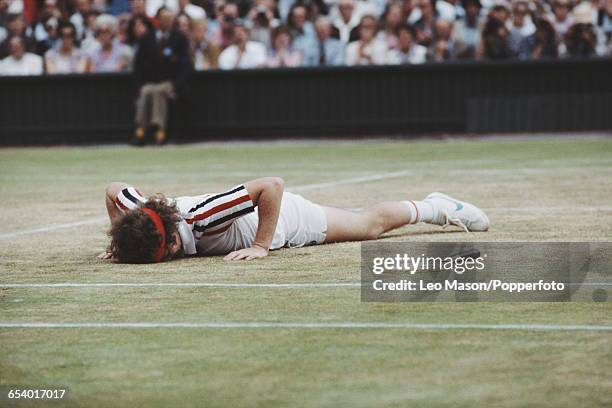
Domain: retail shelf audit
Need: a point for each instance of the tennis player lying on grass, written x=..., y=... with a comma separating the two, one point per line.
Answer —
x=249, y=220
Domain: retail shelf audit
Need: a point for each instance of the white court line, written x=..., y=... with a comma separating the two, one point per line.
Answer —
x=181, y=285
x=546, y=209
x=212, y=285
x=15, y=234
x=315, y=325
x=353, y=180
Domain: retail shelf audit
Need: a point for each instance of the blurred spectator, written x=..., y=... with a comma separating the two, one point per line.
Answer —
x=194, y=12
x=110, y=55
x=368, y=50
x=20, y=62
x=78, y=18
x=139, y=7
x=4, y=7
x=66, y=58
x=561, y=17
x=425, y=26
x=89, y=43
x=330, y=51
x=282, y=53
x=521, y=25
x=581, y=39
x=123, y=23
x=316, y=8
x=262, y=20
x=407, y=9
x=541, y=44
x=16, y=27
x=605, y=23
x=347, y=20
x=442, y=47
x=223, y=34
x=407, y=50
x=466, y=31
x=443, y=9
x=302, y=30
x=182, y=23
x=52, y=38
x=392, y=20
x=162, y=66
x=494, y=43
x=205, y=54
x=500, y=11
x=50, y=9
x=153, y=6
x=243, y=53
x=139, y=26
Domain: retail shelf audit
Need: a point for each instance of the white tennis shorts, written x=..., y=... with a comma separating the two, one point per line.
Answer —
x=300, y=223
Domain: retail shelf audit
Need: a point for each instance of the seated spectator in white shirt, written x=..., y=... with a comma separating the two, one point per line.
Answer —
x=16, y=27
x=521, y=25
x=110, y=55
x=20, y=62
x=67, y=58
x=407, y=50
x=243, y=53
x=347, y=19
x=466, y=31
x=369, y=50
x=282, y=53
x=560, y=17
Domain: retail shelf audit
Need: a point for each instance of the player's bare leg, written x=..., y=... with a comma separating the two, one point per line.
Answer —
x=437, y=208
x=345, y=225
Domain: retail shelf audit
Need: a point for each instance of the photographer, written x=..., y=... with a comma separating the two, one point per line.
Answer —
x=261, y=20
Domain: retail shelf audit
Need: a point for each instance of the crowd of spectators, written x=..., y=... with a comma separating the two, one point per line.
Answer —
x=77, y=36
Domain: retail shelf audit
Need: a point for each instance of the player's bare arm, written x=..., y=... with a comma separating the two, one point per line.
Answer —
x=111, y=192
x=266, y=193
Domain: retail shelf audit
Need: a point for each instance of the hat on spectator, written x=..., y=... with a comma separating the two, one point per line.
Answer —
x=561, y=3
x=583, y=13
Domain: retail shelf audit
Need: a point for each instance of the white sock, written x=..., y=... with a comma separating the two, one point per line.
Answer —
x=420, y=211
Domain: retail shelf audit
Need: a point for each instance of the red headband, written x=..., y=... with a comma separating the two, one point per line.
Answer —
x=159, y=226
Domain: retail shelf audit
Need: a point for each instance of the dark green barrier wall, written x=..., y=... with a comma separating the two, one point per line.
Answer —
x=457, y=97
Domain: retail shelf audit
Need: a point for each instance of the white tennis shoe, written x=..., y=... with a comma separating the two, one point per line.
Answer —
x=449, y=211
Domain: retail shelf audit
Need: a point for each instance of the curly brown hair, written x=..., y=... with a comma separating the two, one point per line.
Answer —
x=134, y=238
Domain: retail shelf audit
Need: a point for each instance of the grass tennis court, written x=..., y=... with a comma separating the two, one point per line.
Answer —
x=258, y=349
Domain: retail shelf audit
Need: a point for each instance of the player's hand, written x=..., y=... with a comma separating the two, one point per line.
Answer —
x=105, y=255
x=247, y=254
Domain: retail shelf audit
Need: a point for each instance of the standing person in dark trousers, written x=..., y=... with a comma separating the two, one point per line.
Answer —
x=162, y=67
